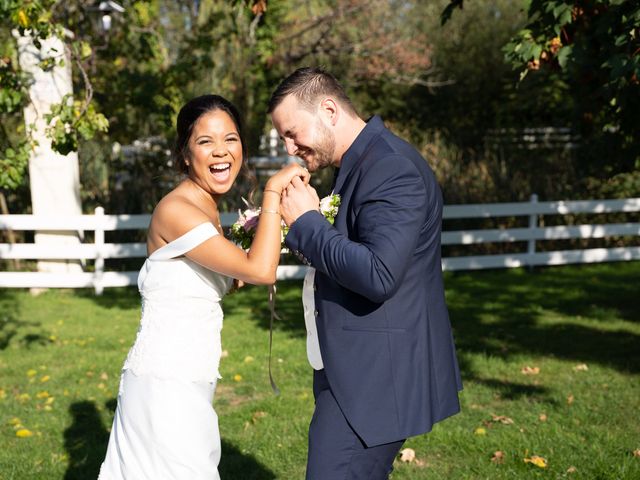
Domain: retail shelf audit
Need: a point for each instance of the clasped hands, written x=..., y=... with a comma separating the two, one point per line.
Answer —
x=297, y=196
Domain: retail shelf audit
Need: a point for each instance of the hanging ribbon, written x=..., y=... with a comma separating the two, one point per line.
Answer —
x=274, y=315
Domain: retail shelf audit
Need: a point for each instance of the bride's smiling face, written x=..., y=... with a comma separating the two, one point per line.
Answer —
x=215, y=152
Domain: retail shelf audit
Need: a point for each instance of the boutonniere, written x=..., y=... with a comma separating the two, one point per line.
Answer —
x=329, y=207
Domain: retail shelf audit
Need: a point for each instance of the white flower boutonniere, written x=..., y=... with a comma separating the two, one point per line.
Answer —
x=329, y=207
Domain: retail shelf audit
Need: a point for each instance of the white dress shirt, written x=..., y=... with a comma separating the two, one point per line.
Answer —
x=308, y=303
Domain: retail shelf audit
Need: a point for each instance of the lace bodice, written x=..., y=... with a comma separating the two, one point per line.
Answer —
x=179, y=334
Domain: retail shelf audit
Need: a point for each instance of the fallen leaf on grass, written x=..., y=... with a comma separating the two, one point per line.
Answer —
x=237, y=377
x=539, y=462
x=45, y=378
x=530, y=370
x=581, y=368
x=502, y=419
x=572, y=469
x=248, y=359
x=258, y=415
x=407, y=455
x=224, y=354
x=498, y=456
x=543, y=417
x=636, y=453
x=15, y=421
x=480, y=431
x=570, y=399
x=31, y=373
x=23, y=433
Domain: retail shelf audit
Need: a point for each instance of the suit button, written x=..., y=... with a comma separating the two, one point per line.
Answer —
x=315, y=312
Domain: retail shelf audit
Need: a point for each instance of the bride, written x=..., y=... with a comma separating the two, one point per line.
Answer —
x=165, y=426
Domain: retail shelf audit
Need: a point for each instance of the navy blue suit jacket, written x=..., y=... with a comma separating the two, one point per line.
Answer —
x=382, y=321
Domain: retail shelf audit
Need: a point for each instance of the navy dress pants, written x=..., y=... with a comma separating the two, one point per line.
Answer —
x=335, y=450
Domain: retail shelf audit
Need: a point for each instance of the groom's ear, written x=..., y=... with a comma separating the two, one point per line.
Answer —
x=329, y=110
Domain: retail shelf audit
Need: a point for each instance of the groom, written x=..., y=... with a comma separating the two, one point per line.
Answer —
x=386, y=367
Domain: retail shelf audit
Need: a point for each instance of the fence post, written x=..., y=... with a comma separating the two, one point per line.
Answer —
x=273, y=142
x=533, y=224
x=99, y=243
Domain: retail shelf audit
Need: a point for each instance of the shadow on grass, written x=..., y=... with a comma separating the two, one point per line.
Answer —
x=255, y=300
x=86, y=444
x=558, y=311
x=561, y=311
x=235, y=464
x=514, y=391
x=11, y=324
x=85, y=441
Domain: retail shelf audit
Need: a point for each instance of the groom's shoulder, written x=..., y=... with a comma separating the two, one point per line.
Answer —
x=389, y=151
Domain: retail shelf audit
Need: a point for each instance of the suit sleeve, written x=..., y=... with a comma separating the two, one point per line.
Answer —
x=390, y=206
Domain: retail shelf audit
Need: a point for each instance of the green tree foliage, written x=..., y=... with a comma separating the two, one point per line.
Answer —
x=68, y=121
x=596, y=47
x=449, y=88
x=589, y=53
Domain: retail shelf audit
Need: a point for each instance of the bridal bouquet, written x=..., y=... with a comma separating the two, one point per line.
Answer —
x=244, y=229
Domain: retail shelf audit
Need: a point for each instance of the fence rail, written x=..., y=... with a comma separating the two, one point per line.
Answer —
x=100, y=223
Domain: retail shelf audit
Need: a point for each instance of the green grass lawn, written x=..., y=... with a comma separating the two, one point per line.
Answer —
x=550, y=362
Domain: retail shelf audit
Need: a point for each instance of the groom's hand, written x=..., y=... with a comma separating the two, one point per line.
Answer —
x=298, y=199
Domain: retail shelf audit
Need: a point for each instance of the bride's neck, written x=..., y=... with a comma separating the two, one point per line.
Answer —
x=200, y=195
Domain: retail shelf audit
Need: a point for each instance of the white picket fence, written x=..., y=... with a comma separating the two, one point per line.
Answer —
x=99, y=250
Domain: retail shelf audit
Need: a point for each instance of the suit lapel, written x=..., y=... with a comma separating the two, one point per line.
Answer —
x=355, y=155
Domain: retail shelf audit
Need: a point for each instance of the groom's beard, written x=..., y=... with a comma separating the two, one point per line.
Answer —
x=323, y=150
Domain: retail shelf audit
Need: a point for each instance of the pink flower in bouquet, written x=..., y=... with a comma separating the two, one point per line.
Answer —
x=249, y=219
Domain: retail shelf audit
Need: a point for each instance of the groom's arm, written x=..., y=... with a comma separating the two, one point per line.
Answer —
x=391, y=206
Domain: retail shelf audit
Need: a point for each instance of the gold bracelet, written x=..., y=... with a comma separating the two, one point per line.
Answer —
x=273, y=191
x=264, y=210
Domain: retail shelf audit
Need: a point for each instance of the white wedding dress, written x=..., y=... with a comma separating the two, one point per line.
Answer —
x=165, y=426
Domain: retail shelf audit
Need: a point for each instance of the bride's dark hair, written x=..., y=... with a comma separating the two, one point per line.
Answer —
x=187, y=118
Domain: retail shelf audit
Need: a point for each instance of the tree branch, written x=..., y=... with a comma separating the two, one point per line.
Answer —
x=88, y=88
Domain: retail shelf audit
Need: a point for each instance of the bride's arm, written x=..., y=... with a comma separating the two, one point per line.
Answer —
x=258, y=265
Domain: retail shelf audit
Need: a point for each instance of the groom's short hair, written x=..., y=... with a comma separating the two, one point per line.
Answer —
x=307, y=84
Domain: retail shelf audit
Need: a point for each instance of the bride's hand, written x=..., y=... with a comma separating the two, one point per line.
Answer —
x=281, y=180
